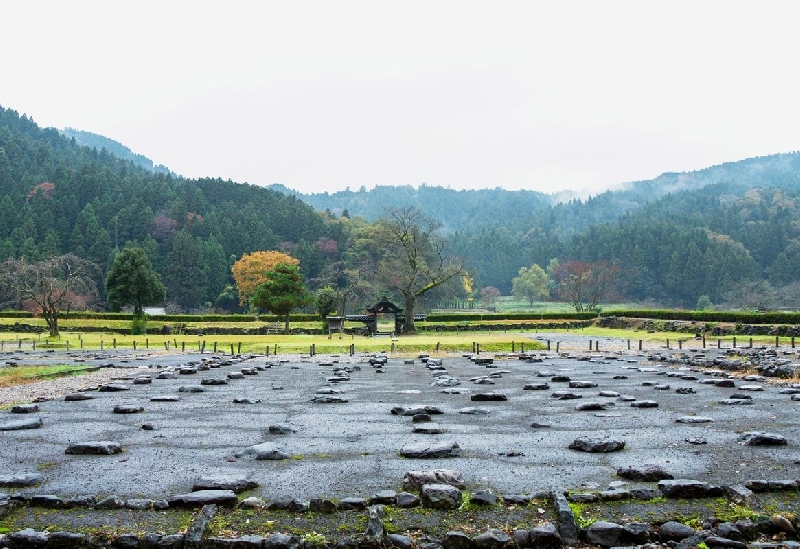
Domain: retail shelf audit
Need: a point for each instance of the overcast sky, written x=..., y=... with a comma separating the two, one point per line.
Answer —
x=322, y=95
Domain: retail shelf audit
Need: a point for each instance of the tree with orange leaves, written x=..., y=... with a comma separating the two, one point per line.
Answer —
x=249, y=272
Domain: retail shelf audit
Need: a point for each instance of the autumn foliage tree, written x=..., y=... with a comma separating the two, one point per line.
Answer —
x=584, y=284
x=250, y=271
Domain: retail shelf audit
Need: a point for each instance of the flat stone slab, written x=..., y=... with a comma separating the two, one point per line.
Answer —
x=425, y=450
x=76, y=397
x=694, y=419
x=644, y=404
x=582, y=384
x=113, y=388
x=536, y=387
x=329, y=399
x=128, y=409
x=414, y=480
x=686, y=488
x=264, y=451
x=762, y=439
x=94, y=448
x=594, y=406
x=474, y=410
x=25, y=409
x=224, y=482
x=20, y=480
x=213, y=381
x=19, y=424
x=489, y=397
x=597, y=445
x=645, y=473
x=428, y=428
x=204, y=497
x=165, y=398
x=414, y=410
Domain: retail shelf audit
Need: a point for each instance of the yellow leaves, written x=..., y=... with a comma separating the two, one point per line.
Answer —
x=248, y=272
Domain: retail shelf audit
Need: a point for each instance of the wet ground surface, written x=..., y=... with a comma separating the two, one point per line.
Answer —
x=352, y=448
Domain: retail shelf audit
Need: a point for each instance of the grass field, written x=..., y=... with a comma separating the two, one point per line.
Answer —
x=16, y=375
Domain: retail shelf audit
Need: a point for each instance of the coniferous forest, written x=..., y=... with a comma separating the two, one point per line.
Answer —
x=728, y=235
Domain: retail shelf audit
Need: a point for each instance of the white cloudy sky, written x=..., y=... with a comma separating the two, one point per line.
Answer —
x=321, y=95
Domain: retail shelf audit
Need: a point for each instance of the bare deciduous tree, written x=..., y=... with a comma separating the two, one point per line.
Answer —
x=415, y=258
x=52, y=285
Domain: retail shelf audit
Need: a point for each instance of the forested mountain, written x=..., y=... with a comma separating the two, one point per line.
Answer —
x=94, y=141
x=729, y=232
x=59, y=197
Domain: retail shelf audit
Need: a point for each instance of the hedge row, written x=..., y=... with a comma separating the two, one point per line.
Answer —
x=478, y=317
x=736, y=317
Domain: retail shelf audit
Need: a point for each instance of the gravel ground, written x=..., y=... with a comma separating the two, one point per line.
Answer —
x=54, y=388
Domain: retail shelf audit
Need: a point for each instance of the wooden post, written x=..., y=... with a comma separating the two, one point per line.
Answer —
x=590, y=345
x=34, y=345
x=792, y=342
x=704, y=341
x=68, y=345
x=232, y=353
x=734, y=342
x=275, y=352
x=352, y=349
x=667, y=343
x=522, y=347
x=146, y=343
x=101, y=344
x=115, y=342
x=392, y=351
x=548, y=345
x=777, y=342
x=719, y=344
x=478, y=349
x=215, y=346
x=437, y=345
x=183, y=346
x=134, y=344
x=239, y=348
x=203, y=350
x=629, y=344
x=558, y=345
x=166, y=345
x=512, y=346
x=640, y=344
x=680, y=344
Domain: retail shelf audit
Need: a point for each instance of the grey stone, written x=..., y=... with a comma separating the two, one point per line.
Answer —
x=566, y=519
x=48, y=501
x=483, y=497
x=605, y=534
x=204, y=497
x=406, y=500
x=165, y=398
x=127, y=409
x=594, y=406
x=139, y=504
x=694, y=419
x=264, y=451
x=399, y=541
x=645, y=473
x=474, y=410
x=596, y=445
x=213, y=381
x=329, y=399
x=384, y=497
x=110, y=502
x=27, y=539
x=20, y=424
x=414, y=480
x=582, y=384
x=192, y=389
x=20, y=480
x=440, y=496
x=428, y=428
x=545, y=536
x=457, y=540
x=94, y=447
x=688, y=489
x=639, y=532
x=432, y=450
x=493, y=538
x=113, y=388
x=644, y=404
x=719, y=541
x=224, y=482
x=536, y=387
x=352, y=504
x=761, y=438
x=565, y=395
x=281, y=429
x=321, y=505
x=489, y=397
x=675, y=531
x=25, y=409
x=375, y=533
x=75, y=397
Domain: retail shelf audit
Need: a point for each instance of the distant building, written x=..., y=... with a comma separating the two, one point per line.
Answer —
x=154, y=311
